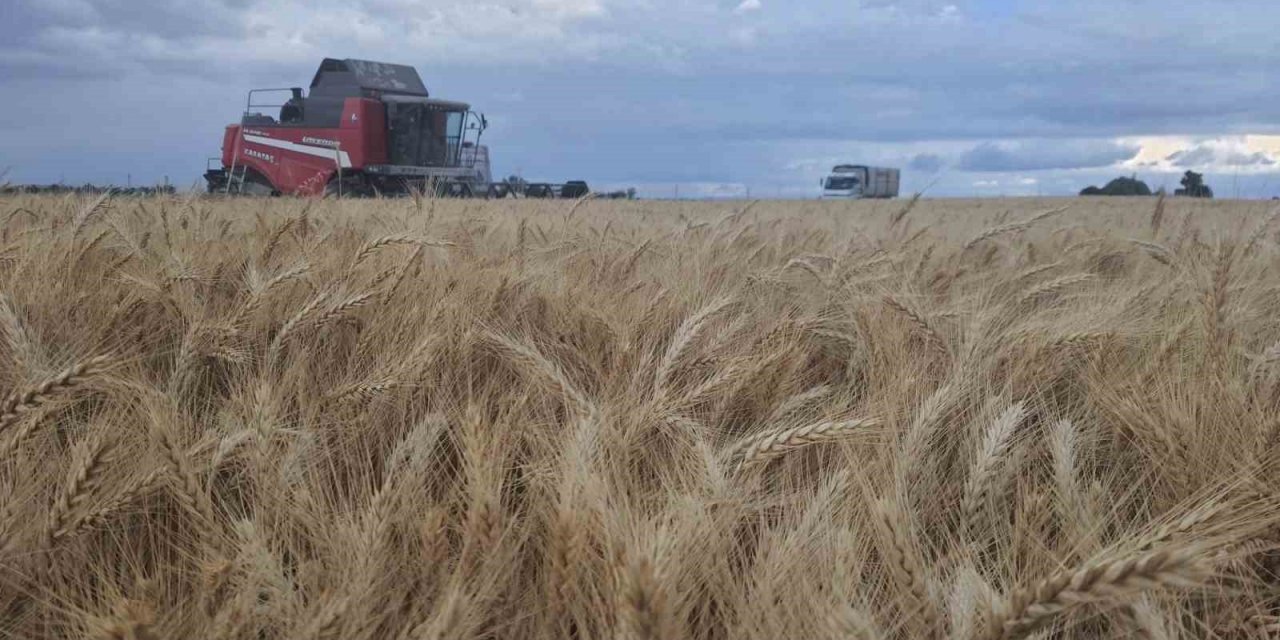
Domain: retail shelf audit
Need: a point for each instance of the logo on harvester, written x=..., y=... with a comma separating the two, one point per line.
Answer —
x=260, y=155
x=321, y=142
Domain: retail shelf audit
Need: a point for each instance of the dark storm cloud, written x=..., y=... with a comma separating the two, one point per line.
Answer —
x=1044, y=156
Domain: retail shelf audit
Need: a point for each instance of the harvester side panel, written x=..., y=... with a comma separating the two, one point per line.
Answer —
x=301, y=160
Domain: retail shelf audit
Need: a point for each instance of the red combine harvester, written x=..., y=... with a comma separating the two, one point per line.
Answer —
x=364, y=128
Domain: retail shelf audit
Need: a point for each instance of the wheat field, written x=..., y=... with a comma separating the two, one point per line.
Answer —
x=425, y=418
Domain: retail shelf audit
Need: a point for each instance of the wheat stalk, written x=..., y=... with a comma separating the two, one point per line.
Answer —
x=1215, y=301
x=905, y=209
x=1012, y=227
x=99, y=515
x=762, y=449
x=339, y=310
x=1054, y=287
x=642, y=600
x=257, y=297
x=1157, y=216
x=1261, y=231
x=273, y=242
x=376, y=244
x=1158, y=252
x=102, y=203
x=190, y=494
x=902, y=560
x=22, y=402
x=1104, y=581
x=297, y=321
x=685, y=334
x=85, y=479
x=937, y=344
x=534, y=362
x=993, y=454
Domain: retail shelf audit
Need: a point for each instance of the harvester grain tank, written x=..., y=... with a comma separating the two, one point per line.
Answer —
x=860, y=181
x=363, y=128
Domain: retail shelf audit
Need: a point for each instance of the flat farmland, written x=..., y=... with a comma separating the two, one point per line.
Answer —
x=282, y=418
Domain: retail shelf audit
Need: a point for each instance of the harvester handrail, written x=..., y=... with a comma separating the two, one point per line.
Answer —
x=249, y=104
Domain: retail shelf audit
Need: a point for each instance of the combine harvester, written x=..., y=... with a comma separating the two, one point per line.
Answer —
x=364, y=128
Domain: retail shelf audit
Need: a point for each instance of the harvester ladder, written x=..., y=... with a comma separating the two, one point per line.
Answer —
x=235, y=156
x=235, y=178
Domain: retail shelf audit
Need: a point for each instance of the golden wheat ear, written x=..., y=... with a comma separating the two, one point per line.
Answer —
x=1104, y=581
x=27, y=400
x=84, y=481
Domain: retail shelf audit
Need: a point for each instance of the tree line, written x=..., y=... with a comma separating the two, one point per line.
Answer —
x=1193, y=186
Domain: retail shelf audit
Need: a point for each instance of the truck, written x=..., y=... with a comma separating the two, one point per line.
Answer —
x=363, y=128
x=860, y=181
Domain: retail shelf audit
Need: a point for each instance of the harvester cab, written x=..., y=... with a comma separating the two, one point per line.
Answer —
x=362, y=128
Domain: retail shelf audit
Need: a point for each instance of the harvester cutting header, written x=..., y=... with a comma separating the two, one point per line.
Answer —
x=363, y=128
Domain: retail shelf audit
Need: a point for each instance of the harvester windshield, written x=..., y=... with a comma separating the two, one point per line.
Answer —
x=424, y=132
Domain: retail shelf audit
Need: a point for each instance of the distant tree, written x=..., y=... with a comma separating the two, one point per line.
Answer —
x=1121, y=186
x=1193, y=186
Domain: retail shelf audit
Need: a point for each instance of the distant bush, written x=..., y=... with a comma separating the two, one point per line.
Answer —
x=1120, y=187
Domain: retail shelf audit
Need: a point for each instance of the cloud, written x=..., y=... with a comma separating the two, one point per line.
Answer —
x=1044, y=155
x=927, y=162
x=1210, y=155
x=748, y=6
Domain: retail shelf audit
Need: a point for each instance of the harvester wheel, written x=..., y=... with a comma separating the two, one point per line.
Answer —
x=255, y=188
x=251, y=183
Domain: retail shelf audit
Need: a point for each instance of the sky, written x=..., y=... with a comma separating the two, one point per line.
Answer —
x=710, y=98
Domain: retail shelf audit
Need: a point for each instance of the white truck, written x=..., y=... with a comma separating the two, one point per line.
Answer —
x=860, y=181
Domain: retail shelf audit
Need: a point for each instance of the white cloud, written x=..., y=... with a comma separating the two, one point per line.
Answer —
x=1225, y=154
x=747, y=6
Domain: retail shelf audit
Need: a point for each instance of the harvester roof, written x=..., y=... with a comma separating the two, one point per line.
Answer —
x=345, y=77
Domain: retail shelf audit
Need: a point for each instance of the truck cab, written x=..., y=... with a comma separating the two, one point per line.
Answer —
x=844, y=182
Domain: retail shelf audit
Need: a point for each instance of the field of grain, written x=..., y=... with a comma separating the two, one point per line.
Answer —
x=446, y=419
